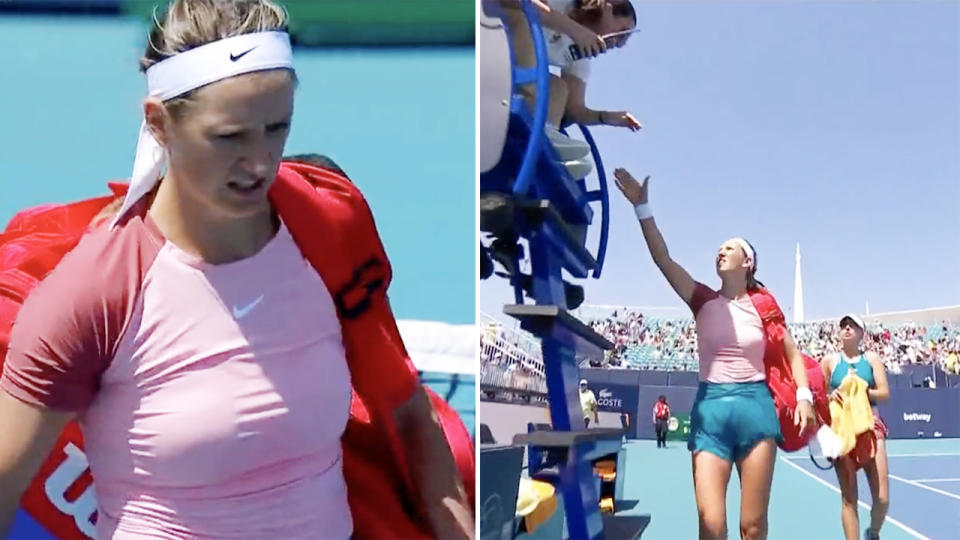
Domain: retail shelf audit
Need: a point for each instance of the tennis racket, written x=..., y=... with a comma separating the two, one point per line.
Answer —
x=824, y=448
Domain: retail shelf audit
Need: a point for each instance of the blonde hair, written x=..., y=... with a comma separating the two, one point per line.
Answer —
x=186, y=24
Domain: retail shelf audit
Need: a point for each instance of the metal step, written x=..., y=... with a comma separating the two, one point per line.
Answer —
x=626, y=527
x=566, y=439
x=544, y=320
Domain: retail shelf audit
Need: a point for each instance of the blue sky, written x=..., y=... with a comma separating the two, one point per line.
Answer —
x=831, y=124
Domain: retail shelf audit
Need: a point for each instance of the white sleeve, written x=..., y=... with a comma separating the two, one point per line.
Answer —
x=579, y=69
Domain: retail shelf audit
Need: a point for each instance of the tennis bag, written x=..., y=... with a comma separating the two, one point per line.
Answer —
x=779, y=375
x=326, y=214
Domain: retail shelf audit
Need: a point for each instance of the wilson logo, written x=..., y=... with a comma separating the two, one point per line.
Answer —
x=83, y=508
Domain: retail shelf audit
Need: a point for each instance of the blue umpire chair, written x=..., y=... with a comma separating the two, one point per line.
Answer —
x=527, y=194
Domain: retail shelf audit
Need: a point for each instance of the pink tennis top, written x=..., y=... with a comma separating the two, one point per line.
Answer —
x=212, y=399
x=730, y=339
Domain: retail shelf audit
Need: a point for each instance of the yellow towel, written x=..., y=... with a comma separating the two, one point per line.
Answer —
x=855, y=416
x=536, y=502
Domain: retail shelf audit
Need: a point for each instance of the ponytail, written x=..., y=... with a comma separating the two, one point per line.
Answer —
x=753, y=283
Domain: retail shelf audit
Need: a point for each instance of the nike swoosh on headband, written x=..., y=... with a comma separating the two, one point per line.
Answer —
x=191, y=69
x=235, y=57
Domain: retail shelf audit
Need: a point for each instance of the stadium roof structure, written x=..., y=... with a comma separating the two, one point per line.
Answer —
x=919, y=316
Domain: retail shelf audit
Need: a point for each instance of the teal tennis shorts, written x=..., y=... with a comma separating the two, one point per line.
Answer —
x=729, y=419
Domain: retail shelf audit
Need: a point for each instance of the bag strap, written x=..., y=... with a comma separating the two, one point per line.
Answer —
x=774, y=323
x=767, y=307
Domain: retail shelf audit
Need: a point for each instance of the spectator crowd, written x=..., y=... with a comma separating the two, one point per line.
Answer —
x=510, y=359
x=510, y=363
x=676, y=340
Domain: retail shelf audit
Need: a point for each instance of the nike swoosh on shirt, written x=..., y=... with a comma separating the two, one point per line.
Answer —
x=241, y=312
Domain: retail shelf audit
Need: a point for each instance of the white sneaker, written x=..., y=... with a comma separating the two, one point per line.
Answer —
x=568, y=149
x=579, y=168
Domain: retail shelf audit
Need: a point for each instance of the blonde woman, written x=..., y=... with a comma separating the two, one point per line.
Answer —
x=851, y=361
x=202, y=355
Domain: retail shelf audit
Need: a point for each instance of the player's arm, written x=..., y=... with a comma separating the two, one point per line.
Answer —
x=804, y=415
x=826, y=367
x=638, y=194
x=880, y=394
x=433, y=469
x=52, y=365
x=29, y=433
x=577, y=110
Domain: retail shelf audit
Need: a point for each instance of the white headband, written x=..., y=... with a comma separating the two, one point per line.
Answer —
x=188, y=71
x=747, y=250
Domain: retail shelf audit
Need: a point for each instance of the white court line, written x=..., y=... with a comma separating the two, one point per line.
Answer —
x=936, y=480
x=934, y=454
x=933, y=489
x=862, y=504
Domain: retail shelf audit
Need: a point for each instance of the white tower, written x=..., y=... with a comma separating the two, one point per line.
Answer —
x=798, y=291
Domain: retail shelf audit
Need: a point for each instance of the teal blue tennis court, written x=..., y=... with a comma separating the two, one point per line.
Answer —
x=805, y=501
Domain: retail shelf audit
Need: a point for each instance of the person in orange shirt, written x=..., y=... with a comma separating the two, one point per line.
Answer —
x=661, y=415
